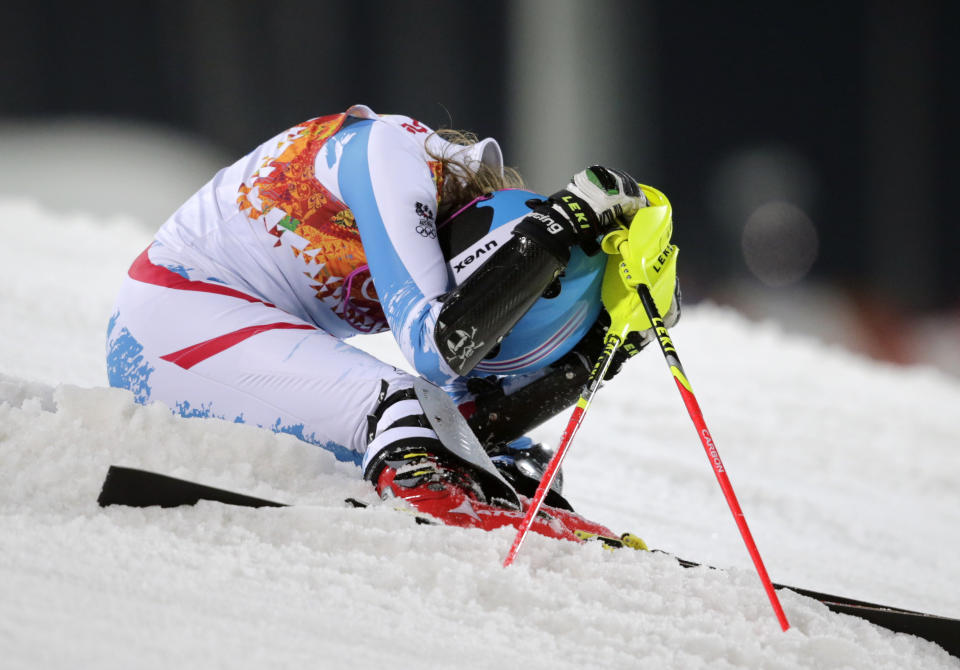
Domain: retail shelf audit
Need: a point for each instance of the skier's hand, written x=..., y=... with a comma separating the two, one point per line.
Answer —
x=642, y=254
x=596, y=201
x=589, y=348
x=611, y=198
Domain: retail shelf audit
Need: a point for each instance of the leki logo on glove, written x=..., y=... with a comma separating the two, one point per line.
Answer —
x=575, y=208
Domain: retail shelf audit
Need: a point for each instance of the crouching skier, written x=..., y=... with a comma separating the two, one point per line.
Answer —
x=356, y=223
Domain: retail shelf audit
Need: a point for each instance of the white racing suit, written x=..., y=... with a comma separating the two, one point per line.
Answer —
x=239, y=307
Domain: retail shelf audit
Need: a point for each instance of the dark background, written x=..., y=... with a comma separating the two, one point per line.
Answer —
x=864, y=93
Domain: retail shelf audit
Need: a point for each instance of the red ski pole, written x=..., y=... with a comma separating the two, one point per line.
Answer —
x=693, y=408
x=597, y=374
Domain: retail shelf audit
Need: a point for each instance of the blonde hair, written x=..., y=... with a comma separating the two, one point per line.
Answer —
x=470, y=182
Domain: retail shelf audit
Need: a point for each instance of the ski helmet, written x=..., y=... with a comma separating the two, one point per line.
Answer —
x=557, y=320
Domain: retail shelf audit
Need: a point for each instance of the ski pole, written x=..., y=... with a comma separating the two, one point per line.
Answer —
x=693, y=408
x=611, y=344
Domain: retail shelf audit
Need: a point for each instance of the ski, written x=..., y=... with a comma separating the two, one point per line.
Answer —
x=941, y=630
x=141, y=488
x=133, y=487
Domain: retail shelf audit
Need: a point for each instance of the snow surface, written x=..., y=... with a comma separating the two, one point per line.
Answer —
x=846, y=470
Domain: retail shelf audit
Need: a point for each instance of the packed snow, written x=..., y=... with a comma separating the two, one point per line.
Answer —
x=846, y=470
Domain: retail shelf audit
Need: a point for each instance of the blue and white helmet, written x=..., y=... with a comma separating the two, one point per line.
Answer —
x=554, y=324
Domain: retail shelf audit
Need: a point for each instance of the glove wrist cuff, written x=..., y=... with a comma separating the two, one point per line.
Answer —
x=534, y=227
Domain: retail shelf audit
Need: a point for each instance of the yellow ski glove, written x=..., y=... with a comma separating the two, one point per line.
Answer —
x=641, y=254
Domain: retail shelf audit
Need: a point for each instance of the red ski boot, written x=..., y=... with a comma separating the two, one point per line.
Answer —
x=447, y=492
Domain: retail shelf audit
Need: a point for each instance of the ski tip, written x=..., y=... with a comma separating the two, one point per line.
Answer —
x=634, y=542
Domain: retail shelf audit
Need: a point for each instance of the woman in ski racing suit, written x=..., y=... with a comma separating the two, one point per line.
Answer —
x=240, y=306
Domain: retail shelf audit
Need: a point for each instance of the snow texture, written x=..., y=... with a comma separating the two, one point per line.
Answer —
x=846, y=470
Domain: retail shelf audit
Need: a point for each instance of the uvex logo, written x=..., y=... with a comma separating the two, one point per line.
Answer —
x=477, y=253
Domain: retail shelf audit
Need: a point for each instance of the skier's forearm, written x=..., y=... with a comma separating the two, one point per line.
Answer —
x=500, y=417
